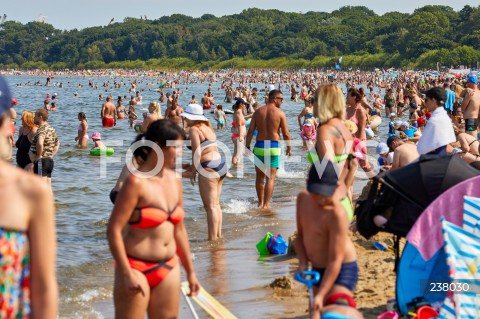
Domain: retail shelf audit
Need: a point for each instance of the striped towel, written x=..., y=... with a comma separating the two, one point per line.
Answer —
x=462, y=249
x=471, y=214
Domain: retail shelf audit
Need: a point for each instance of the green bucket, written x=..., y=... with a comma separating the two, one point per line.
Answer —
x=262, y=245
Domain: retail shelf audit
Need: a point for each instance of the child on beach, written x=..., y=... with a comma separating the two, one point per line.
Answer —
x=308, y=133
x=391, y=124
x=323, y=241
x=96, y=137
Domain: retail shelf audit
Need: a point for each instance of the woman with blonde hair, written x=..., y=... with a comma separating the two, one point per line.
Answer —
x=334, y=140
x=24, y=141
x=154, y=114
x=209, y=163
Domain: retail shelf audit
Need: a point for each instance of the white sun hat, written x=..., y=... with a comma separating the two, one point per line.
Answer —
x=194, y=112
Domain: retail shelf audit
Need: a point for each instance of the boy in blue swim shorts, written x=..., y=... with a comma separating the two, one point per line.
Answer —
x=322, y=242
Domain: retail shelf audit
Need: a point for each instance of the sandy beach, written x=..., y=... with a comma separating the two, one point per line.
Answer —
x=241, y=280
x=375, y=286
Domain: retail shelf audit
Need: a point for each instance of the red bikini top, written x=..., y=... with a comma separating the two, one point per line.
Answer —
x=235, y=123
x=150, y=217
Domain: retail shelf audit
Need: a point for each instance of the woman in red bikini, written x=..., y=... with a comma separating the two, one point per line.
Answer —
x=146, y=230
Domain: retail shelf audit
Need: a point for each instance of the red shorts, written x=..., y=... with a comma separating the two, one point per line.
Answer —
x=13, y=129
x=108, y=122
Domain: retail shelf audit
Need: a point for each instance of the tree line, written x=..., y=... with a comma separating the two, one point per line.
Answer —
x=253, y=38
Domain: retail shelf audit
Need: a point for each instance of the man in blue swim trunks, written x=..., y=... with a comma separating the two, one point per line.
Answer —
x=268, y=120
x=322, y=239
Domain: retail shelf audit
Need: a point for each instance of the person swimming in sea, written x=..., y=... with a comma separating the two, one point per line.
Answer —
x=220, y=117
x=97, y=139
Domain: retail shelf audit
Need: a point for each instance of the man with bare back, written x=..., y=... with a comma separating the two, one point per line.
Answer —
x=173, y=113
x=268, y=120
x=323, y=242
x=109, y=113
x=471, y=106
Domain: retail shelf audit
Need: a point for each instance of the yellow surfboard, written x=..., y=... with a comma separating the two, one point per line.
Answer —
x=211, y=305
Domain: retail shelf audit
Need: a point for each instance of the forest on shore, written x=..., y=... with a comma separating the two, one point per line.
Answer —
x=432, y=35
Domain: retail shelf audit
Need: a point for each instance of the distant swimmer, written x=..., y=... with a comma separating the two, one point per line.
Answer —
x=82, y=136
x=193, y=100
x=154, y=114
x=268, y=120
x=238, y=130
x=173, y=113
x=138, y=97
x=109, y=113
x=97, y=139
x=121, y=109
x=471, y=106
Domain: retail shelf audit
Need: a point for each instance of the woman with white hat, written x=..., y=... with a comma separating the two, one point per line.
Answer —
x=209, y=163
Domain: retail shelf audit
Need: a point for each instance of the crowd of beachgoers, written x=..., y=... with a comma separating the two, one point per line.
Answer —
x=428, y=112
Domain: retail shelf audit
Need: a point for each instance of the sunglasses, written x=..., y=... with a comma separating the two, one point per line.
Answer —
x=279, y=98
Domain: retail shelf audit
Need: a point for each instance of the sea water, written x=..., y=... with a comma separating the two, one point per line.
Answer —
x=82, y=186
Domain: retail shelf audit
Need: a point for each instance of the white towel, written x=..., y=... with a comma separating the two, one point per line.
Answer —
x=438, y=132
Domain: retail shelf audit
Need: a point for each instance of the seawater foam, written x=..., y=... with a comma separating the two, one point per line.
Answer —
x=235, y=206
x=86, y=300
x=282, y=173
x=90, y=295
x=86, y=314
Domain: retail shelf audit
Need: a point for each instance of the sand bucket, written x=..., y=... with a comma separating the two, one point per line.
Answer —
x=262, y=245
x=426, y=312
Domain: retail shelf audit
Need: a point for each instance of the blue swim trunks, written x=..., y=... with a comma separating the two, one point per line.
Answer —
x=347, y=277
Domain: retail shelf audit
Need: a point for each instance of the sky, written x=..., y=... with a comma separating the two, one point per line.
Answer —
x=79, y=14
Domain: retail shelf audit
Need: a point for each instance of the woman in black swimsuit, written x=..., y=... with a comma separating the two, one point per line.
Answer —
x=24, y=141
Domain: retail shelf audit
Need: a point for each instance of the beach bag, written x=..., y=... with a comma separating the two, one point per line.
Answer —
x=272, y=244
